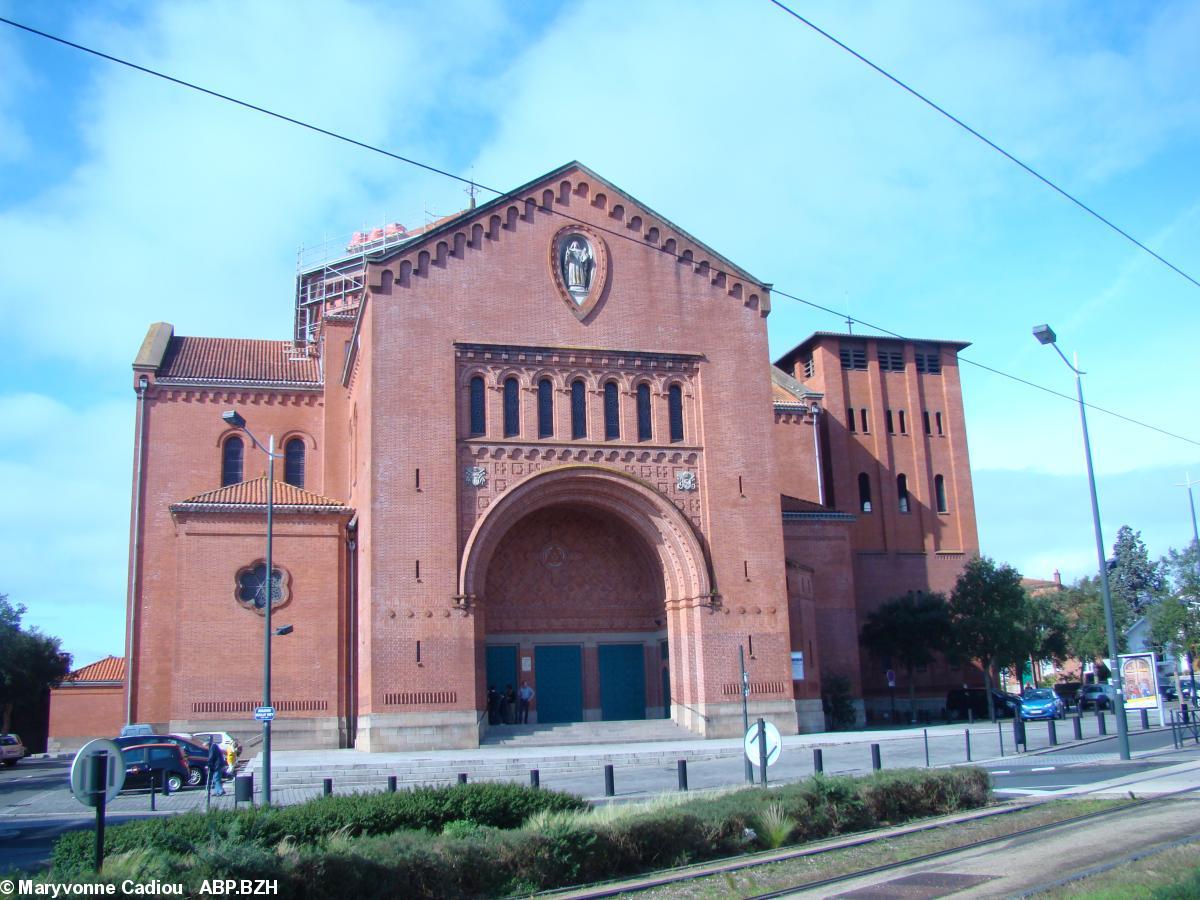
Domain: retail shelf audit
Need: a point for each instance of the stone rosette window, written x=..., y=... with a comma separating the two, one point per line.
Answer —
x=250, y=586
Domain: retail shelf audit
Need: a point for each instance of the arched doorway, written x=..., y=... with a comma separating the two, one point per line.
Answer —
x=583, y=581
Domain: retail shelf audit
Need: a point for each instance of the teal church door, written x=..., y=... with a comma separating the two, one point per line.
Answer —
x=559, y=689
x=502, y=667
x=622, y=682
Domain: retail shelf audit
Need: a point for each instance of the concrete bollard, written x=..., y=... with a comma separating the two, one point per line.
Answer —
x=818, y=761
x=681, y=771
x=609, y=785
x=535, y=778
x=327, y=786
x=391, y=783
x=876, y=762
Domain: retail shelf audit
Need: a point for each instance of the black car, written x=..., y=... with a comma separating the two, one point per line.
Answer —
x=195, y=754
x=960, y=701
x=155, y=765
x=1096, y=696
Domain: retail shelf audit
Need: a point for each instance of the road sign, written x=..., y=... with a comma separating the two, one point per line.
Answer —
x=264, y=713
x=81, y=773
x=891, y=677
x=774, y=743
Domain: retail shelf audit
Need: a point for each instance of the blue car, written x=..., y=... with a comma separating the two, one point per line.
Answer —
x=1042, y=703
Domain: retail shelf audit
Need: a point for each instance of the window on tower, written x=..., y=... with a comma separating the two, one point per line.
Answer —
x=293, y=462
x=864, y=492
x=232, y=454
x=578, y=410
x=545, y=408
x=478, y=412
x=675, y=412
x=612, y=412
x=645, y=429
x=512, y=407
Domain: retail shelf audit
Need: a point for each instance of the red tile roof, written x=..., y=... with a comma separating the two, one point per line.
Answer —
x=111, y=668
x=237, y=360
x=254, y=493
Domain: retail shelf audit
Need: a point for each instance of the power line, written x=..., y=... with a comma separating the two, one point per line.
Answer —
x=476, y=184
x=961, y=124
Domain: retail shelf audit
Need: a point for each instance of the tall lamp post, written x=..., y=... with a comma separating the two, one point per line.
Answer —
x=1045, y=334
x=1188, y=483
x=234, y=418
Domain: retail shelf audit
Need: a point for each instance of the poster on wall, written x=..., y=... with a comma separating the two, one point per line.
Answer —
x=1139, y=680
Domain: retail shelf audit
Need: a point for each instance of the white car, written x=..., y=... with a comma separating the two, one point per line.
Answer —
x=11, y=749
x=223, y=739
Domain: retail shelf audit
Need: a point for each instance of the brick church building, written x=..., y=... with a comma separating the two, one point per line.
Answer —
x=541, y=440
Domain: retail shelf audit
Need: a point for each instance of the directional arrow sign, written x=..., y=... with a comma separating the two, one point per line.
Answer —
x=774, y=743
x=81, y=773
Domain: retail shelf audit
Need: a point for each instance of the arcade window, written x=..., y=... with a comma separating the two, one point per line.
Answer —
x=512, y=408
x=809, y=368
x=937, y=417
x=925, y=417
x=578, y=410
x=864, y=492
x=862, y=417
x=675, y=412
x=645, y=429
x=939, y=491
x=891, y=360
x=929, y=361
x=232, y=454
x=478, y=414
x=902, y=491
x=903, y=423
x=887, y=416
x=850, y=418
x=545, y=408
x=612, y=412
x=293, y=462
x=853, y=356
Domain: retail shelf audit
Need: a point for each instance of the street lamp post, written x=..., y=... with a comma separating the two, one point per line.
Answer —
x=234, y=418
x=1045, y=334
x=1188, y=483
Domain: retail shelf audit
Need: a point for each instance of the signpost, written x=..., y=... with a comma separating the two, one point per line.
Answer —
x=763, y=746
x=97, y=776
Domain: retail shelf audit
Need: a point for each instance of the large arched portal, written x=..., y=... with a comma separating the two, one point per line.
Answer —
x=583, y=581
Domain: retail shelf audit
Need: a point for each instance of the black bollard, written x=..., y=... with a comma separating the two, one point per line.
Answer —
x=97, y=778
x=1145, y=720
x=609, y=787
x=462, y=777
x=535, y=778
x=876, y=763
x=1000, y=735
x=926, y=732
x=1052, y=732
x=1019, y=740
x=154, y=773
x=327, y=786
x=391, y=784
x=1103, y=725
x=1077, y=724
x=818, y=760
x=967, y=739
x=681, y=770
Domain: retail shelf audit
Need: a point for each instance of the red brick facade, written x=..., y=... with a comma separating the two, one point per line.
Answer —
x=543, y=423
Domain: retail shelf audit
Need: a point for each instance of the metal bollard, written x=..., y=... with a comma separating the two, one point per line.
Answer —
x=1077, y=724
x=967, y=738
x=326, y=786
x=1145, y=720
x=609, y=787
x=818, y=761
x=876, y=763
x=681, y=771
x=535, y=778
x=1052, y=732
x=462, y=777
x=154, y=773
x=391, y=784
x=926, y=733
x=1103, y=725
x=243, y=789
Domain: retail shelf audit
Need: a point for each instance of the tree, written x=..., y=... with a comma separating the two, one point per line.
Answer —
x=988, y=617
x=909, y=629
x=1043, y=632
x=30, y=662
x=1175, y=622
x=1082, y=605
x=1133, y=578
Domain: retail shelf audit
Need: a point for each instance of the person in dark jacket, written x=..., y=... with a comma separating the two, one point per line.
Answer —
x=216, y=766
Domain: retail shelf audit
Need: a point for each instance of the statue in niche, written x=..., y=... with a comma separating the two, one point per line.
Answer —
x=578, y=261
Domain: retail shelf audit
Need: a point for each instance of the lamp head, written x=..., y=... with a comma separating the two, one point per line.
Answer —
x=284, y=629
x=234, y=418
x=1045, y=334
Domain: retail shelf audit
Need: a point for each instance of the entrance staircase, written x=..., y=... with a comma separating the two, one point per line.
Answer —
x=575, y=733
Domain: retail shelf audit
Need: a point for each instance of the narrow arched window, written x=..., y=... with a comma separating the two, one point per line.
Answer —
x=675, y=412
x=293, y=462
x=864, y=492
x=645, y=431
x=939, y=491
x=612, y=412
x=902, y=491
x=478, y=410
x=512, y=408
x=578, y=410
x=232, y=454
x=545, y=408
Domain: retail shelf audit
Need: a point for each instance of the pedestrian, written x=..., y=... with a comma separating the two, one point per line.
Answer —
x=524, y=695
x=508, y=705
x=493, y=705
x=216, y=763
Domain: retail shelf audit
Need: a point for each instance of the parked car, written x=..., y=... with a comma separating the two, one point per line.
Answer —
x=1042, y=703
x=961, y=700
x=1097, y=696
x=12, y=751
x=144, y=761
x=135, y=730
x=1168, y=692
x=1069, y=692
x=223, y=738
x=195, y=754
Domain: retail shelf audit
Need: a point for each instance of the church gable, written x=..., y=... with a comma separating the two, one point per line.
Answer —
x=577, y=257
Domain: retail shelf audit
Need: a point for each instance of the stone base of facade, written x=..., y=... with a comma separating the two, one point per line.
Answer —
x=324, y=733
x=880, y=709
x=724, y=720
x=810, y=716
x=392, y=732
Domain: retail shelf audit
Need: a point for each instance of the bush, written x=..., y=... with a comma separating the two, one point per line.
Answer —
x=837, y=701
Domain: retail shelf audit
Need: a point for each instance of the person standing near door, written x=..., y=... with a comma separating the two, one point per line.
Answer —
x=524, y=695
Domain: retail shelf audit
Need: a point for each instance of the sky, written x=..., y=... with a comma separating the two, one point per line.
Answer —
x=125, y=200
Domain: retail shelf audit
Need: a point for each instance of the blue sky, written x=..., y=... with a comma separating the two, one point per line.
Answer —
x=124, y=201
